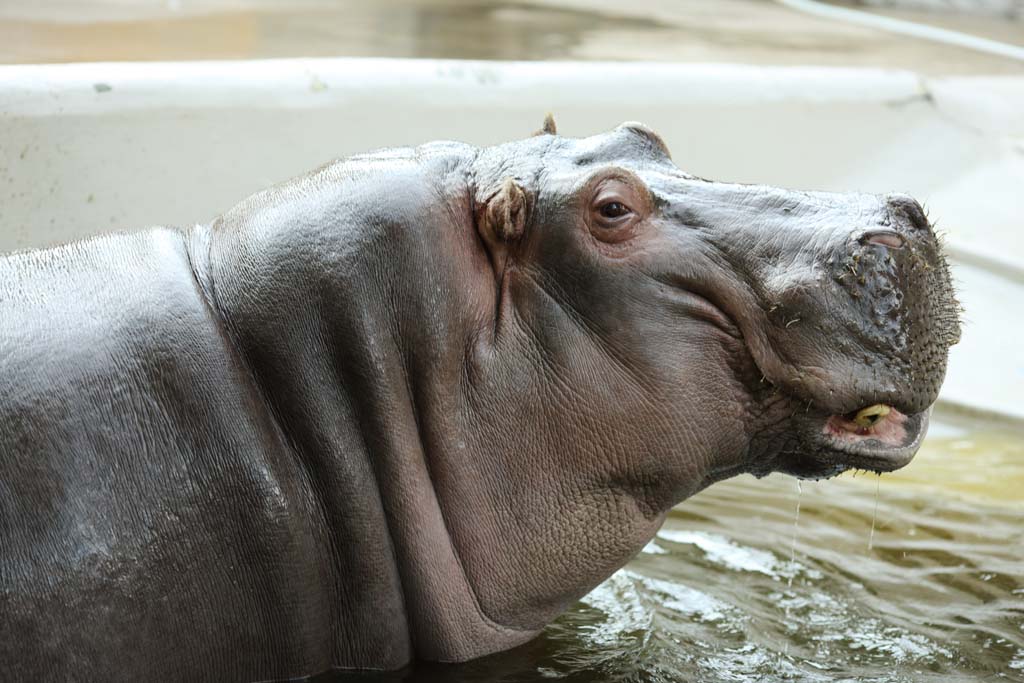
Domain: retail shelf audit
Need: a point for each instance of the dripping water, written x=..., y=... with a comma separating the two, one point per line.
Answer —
x=792, y=555
x=796, y=527
x=874, y=514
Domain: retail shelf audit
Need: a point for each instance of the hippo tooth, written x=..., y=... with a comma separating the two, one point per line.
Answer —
x=867, y=417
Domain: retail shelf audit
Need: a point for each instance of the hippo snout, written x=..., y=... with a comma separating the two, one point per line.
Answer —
x=845, y=304
x=861, y=312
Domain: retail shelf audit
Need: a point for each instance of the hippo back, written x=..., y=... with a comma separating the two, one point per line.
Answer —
x=140, y=474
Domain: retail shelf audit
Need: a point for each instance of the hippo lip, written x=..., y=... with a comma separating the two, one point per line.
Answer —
x=888, y=445
x=828, y=445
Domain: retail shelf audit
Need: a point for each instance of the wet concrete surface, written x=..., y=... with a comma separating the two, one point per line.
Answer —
x=743, y=31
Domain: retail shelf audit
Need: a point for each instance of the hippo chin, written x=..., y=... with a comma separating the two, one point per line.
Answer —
x=418, y=402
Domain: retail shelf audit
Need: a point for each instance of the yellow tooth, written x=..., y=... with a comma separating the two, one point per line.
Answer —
x=867, y=417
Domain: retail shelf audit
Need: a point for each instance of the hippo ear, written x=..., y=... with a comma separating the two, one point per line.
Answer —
x=504, y=214
x=652, y=138
x=549, y=127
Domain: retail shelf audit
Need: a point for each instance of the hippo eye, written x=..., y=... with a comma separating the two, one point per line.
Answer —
x=613, y=209
x=612, y=215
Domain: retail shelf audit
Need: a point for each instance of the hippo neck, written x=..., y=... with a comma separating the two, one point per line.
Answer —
x=351, y=368
x=378, y=346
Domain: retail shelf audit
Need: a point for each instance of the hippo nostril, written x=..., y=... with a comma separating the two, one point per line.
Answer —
x=907, y=208
x=885, y=238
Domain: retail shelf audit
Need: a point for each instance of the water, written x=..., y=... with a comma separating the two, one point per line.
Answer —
x=729, y=592
x=751, y=31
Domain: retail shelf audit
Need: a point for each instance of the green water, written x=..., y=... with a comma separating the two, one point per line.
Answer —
x=725, y=594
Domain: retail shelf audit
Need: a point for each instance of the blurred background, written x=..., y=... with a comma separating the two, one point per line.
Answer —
x=742, y=31
x=119, y=114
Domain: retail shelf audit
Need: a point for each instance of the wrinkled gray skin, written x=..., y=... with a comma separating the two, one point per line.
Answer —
x=416, y=403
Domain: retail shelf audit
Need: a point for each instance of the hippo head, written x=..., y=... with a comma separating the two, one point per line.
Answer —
x=547, y=344
x=655, y=332
x=807, y=330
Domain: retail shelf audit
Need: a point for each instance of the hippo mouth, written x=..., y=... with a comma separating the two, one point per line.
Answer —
x=878, y=438
x=882, y=439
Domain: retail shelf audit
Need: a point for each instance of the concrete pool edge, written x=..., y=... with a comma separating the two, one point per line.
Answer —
x=35, y=89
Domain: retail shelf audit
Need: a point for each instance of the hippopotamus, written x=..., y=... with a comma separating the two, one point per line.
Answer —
x=414, y=404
